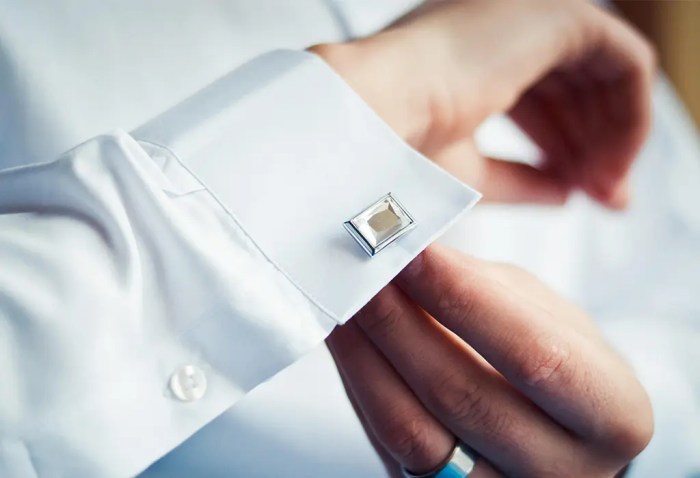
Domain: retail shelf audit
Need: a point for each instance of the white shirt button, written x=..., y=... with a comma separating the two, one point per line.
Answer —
x=188, y=383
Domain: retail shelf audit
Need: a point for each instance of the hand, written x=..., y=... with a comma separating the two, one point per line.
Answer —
x=459, y=348
x=575, y=78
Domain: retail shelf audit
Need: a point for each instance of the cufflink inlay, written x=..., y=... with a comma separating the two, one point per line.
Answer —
x=380, y=224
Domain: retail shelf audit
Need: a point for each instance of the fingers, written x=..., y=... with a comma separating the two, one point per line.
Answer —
x=591, y=112
x=501, y=181
x=532, y=114
x=578, y=383
x=510, y=182
x=463, y=392
x=419, y=384
x=529, y=288
x=568, y=115
x=404, y=427
x=622, y=68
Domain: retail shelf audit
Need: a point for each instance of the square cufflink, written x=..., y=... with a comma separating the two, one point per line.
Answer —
x=380, y=224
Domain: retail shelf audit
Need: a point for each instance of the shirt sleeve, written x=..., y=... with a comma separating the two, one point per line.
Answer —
x=150, y=280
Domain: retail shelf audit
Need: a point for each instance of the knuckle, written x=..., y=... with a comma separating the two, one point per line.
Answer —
x=500, y=425
x=644, y=58
x=466, y=406
x=382, y=315
x=461, y=400
x=410, y=441
x=639, y=49
x=456, y=296
x=544, y=365
x=458, y=300
x=649, y=56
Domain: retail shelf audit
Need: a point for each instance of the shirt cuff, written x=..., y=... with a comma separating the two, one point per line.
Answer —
x=162, y=278
x=291, y=152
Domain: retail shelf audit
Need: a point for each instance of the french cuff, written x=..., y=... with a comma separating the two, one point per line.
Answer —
x=291, y=153
x=212, y=253
x=282, y=152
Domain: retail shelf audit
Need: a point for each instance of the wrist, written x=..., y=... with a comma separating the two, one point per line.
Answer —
x=374, y=69
x=416, y=81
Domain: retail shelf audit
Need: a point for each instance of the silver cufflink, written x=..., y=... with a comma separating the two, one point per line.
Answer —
x=380, y=224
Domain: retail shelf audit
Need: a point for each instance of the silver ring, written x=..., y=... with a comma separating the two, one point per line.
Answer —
x=460, y=464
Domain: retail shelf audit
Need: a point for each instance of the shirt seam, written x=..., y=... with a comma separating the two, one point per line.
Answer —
x=307, y=295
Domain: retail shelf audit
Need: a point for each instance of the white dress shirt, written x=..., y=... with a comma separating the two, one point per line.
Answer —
x=151, y=280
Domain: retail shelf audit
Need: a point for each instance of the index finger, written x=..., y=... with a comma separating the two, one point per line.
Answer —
x=578, y=382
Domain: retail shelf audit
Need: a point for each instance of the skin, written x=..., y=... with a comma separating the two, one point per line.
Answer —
x=575, y=78
x=457, y=348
